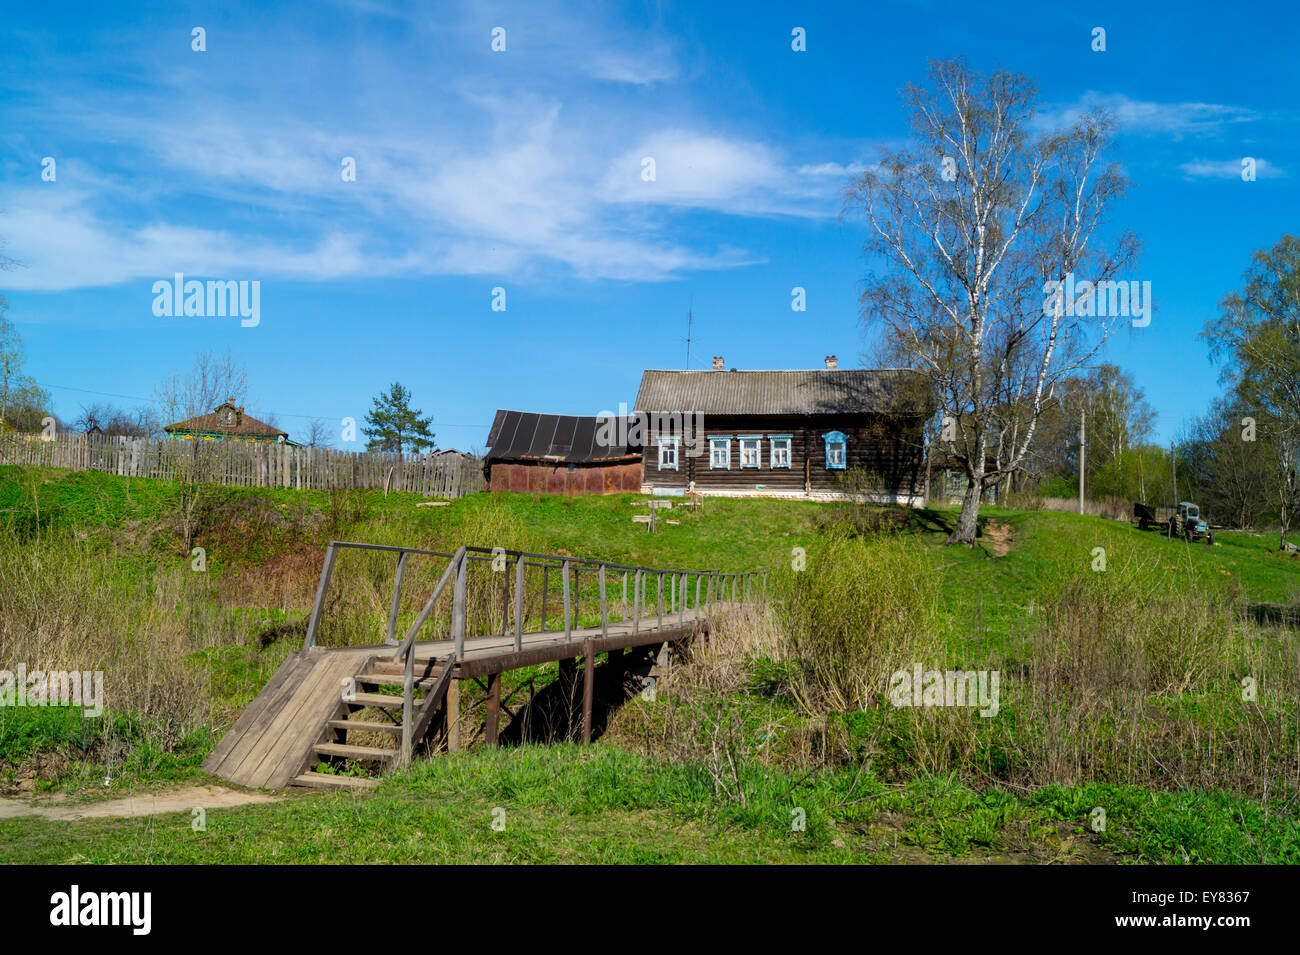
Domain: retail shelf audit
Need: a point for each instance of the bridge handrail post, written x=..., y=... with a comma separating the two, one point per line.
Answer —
x=314, y=623
x=660, y=591
x=604, y=614
x=391, y=639
x=458, y=605
x=519, y=603
x=636, y=601
x=568, y=621
x=429, y=604
x=408, y=706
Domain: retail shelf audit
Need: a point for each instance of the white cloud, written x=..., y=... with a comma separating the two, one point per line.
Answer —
x=707, y=171
x=1229, y=169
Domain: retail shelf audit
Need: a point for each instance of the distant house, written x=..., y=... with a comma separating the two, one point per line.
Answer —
x=948, y=481
x=561, y=454
x=227, y=422
x=783, y=433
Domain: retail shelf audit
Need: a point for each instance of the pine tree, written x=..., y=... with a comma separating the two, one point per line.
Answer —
x=393, y=425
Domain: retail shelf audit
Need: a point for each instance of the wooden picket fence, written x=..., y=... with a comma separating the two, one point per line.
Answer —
x=247, y=463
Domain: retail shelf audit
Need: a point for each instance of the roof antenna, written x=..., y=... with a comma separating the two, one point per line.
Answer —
x=690, y=317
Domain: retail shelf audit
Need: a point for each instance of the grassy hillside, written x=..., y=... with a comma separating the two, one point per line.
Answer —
x=1122, y=655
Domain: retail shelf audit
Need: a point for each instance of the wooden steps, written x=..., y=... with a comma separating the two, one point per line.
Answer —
x=304, y=715
x=344, y=751
x=362, y=726
x=379, y=700
x=392, y=679
x=330, y=781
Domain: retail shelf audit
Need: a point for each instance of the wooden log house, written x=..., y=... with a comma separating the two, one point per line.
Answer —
x=804, y=434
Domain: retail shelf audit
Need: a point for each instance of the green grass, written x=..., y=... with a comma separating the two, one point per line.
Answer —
x=567, y=804
x=102, y=756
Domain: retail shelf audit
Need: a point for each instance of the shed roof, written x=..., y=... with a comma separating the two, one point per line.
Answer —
x=569, y=439
x=814, y=391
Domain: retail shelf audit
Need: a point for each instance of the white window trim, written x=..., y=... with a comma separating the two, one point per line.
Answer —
x=757, y=440
x=674, y=443
x=727, y=448
x=772, y=440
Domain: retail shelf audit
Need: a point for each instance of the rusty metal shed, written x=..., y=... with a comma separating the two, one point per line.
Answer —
x=549, y=453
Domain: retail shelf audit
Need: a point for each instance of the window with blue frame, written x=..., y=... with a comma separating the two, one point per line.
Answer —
x=751, y=450
x=720, y=453
x=779, y=450
x=836, y=450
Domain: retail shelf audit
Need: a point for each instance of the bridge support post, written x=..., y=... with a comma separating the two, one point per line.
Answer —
x=588, y=686
x=452, y=707
x=493, y=710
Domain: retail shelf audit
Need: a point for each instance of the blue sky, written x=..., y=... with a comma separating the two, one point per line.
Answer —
x=522, y=170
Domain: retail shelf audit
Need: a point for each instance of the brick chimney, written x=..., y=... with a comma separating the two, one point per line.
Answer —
x=831, y=362
x=719, y=364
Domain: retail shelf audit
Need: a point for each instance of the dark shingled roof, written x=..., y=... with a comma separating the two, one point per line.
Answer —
x=816, y=391
x=568, y=439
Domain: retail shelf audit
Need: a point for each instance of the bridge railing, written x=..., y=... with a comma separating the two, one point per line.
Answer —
x=710, y=588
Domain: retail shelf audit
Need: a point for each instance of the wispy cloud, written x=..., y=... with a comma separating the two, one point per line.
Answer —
x=1230, y=169
x=708, y=171
x=1176, y=120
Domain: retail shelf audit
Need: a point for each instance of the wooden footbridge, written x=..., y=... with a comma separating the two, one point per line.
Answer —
x=379, y=705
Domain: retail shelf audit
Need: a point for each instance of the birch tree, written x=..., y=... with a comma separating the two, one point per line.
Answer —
x=1257, y=336
x=968, y=226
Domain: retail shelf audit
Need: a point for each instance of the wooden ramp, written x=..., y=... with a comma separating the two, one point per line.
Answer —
x=272, y=740
x=375, y=706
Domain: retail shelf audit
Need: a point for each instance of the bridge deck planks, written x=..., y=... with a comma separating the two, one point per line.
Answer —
x=273, y=739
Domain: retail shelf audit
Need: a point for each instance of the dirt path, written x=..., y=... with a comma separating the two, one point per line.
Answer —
x=146, y=804
x=997, y=538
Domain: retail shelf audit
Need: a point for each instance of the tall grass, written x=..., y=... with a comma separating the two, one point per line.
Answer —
x=68, y=605
x=860, y=609
x=1145, y=673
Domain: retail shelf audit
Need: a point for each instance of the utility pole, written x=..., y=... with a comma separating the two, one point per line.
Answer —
x=1082, y=460
x=1173, y=468
x=690, y=318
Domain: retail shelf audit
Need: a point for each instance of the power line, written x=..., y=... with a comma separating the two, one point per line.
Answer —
x=278, y=414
